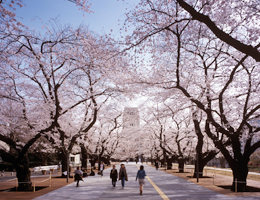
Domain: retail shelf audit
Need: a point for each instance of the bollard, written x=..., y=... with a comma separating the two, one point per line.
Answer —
x=50, y=180
x=33, y=186
x=16, y=183
x=235, y=185
x=213, y=180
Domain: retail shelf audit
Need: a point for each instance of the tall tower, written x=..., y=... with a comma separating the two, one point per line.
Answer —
x=131, y=118
x=130, y=136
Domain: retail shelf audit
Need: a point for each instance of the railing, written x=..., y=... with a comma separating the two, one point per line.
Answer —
x=32, y=182
x=46, y=168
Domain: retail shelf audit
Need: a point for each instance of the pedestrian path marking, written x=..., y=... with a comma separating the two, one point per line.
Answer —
x=160, y=192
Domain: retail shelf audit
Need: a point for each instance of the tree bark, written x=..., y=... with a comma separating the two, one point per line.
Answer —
x=203, y=158
x=181, y=165
x=64, y=164
x=240, y=173
x=23, y=174
x=84, y=157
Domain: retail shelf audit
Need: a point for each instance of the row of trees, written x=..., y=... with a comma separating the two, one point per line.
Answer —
x=54, y=89
x=199, y=59
x=207, y=53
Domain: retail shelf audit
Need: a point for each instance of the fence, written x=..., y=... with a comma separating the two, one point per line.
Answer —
x=15, y=182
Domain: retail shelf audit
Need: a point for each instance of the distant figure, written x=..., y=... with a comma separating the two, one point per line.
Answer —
x=141, y=176
x=113, y=175
x=3, y=173
x=78, y=176
x=156, y=164
x=92, y=173
x=102, y=167
x=123, y=175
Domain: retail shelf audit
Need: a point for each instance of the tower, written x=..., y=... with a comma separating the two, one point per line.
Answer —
x=130, y=136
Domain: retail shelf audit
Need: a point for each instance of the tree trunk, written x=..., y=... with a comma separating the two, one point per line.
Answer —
x=64, y=164
x=93, y=162
x=84, y=157
x=181, y=165
x=240, y=173
x=201, y=167
x=199, y=161
x=44, y=160
x=169, y=163
x=23, y=174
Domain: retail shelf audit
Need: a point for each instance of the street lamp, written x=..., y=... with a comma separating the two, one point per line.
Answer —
x=98, y=149
x=164, y=152
x=68, y=166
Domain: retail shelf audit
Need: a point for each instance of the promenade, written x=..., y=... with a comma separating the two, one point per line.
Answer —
x=159, y=185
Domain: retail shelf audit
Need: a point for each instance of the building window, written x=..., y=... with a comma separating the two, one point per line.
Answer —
x=72, y=159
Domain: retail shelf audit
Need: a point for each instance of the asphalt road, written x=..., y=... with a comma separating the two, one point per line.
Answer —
x=161, y=186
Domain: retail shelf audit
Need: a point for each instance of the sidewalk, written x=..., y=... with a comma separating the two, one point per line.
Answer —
x=171, y=186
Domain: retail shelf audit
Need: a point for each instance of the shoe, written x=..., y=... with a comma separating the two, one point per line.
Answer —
x=141, y=192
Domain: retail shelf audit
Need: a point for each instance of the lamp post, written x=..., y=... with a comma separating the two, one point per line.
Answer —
x=197, y=166
x=164, y=152
x=68, y=166
x=98, y=148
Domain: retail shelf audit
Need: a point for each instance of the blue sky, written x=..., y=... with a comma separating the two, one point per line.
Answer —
x=105, y=17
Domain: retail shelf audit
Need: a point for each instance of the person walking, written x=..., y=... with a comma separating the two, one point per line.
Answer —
x=102, y=167
x=156, y=164
x=113, y=175
x=78, y=176
x=141, y=176
x=123, y=175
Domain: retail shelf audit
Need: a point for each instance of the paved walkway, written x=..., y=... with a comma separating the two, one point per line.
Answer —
x=169, y=187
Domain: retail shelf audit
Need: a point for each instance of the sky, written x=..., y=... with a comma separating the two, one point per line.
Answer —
x=108, y=14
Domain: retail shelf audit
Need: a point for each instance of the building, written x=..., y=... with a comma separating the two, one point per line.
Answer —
x=130, y=140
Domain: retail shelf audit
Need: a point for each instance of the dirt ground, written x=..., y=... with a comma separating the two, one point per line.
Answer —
x=39, y=182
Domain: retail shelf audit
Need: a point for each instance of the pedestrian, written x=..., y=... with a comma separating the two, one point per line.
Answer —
x=101, y=168
x=141, y=176
x=156, y=164
x=78, y=176
x=123, y=175
x=92, y=173
x=113, y=175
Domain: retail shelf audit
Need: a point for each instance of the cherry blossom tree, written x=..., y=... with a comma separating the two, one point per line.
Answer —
x=103, y=139
x=61, y=80
x=217, y=70
x=20, y=127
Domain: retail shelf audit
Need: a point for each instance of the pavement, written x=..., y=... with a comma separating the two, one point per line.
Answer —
x=159, y=185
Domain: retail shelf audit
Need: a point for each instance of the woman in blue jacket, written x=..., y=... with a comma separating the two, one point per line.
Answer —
x=141, y=175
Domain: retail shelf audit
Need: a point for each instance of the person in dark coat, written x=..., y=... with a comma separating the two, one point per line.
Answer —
x=92, y=173
x=78, y=176
x=123, y=175
x=156, y=164
x=114, y=175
